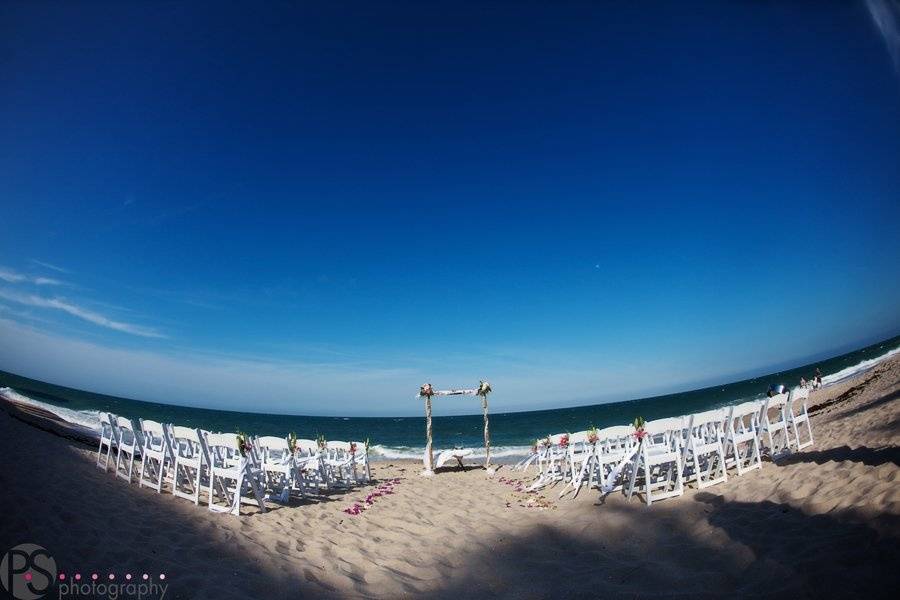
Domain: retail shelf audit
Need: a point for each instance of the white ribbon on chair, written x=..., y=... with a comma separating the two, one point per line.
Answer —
x=247, y=473
x=522, y=465
x=607, y=486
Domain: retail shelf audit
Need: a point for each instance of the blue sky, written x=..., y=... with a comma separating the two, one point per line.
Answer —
x=316, y=209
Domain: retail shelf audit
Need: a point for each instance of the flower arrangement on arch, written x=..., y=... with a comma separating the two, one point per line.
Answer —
x=564, y=441
x=546, y=443
x=321, y=442
x=426, y=391
x=592, y=435
x=639, y=432
x=484, y=388
x=353, y=448
x=292, y=442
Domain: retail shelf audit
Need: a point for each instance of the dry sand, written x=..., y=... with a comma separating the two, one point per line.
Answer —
x=820, y=523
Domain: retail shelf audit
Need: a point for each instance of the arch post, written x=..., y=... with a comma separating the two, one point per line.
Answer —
x=427, y=392
x=484, y=388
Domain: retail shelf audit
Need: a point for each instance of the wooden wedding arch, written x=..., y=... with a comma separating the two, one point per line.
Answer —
x=427, y=391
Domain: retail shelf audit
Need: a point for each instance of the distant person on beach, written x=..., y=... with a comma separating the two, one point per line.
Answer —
x=775, y=389
x=818, y=377
x=803, y=382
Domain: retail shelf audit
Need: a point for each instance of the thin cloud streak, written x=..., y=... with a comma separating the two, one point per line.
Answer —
x=886, y=16
x=52, y=267
x=79, y=312
x=10, y=276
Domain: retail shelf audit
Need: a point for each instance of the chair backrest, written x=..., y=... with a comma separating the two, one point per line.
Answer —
x=777, y=401
x=799, y=393
x=361, y=450
x=557, y=438
x=797, y=401
x=614, y=439
x=707, y=425
x=154, y=435
x=221, y=447
x=308, y=447
x=578, y=437
x=662, y=426
x=187, y=442
x=664, y=432
x=126, y=431
x=273, y=448
x=743, y=409
x=107, y=427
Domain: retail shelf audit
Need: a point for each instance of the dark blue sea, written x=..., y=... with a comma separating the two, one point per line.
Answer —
x=403, y=437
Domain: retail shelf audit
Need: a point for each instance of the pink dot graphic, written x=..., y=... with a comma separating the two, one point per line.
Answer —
x=111, y=576
x=128, y=576
x=146, y=577
x=62, y=576
x=28, y=576
x=162, y=576
x=77, y=576
x=94, y=576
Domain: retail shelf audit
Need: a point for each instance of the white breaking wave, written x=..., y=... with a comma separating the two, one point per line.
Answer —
x=856, y=369
x=379, y=452
x=89, y=419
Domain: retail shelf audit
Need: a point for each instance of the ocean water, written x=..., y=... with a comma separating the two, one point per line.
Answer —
x=403, y=437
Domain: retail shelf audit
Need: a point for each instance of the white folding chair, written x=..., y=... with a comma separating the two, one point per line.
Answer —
x=362, y=470
x=311, y=464
x=659, y=461
x=128, y=444
x=157, y=456
x=340, y=462
x=190, y=461
x=579, y=459
x=614, y=445
x=772, y=421
x=703, y=455
x=798, y=416
x=224, y=469
x=109, y=438
x=742, y=447
x=277, y=464
x=551, y=463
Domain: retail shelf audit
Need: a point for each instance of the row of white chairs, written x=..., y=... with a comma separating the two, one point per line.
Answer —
x=700, y=447
x=192, y=459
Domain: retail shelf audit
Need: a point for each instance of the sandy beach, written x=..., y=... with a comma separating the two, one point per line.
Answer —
x=824, y=522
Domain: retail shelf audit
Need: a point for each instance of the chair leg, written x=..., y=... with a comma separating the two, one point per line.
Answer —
x=144, y=466
x=118, y=459
x=633, y=478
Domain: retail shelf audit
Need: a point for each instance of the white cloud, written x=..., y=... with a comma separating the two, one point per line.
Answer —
x=886, y=15
x=11, y=276
x=50, y=266
x=79, y=312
